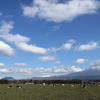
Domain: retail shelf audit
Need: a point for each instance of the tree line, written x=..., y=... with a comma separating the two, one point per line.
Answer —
x=75, y=81
x=41, y=81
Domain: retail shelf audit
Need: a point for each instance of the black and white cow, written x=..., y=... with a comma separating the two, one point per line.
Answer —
x=19, y=86
x=9, y=86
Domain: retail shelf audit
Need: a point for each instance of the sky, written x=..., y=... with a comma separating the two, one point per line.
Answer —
x=43, y=38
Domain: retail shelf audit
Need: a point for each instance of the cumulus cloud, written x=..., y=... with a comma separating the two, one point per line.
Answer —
x=20, y=64
x=5, y=33
x=89, y=46
x=53, y=10
x=39, y=50
x=31, y=48
x=47, y=58
x=19, y=40
x=5, y=49
x=12, y=70
x=80, y=61
x=6, y=71
x=68, y=45
x=74, y=69
x=41, y=72
x=1, y=64
x=5, y=27
x=14, y=38
x=95, y=65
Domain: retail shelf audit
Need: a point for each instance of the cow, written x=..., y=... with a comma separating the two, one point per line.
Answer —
x=71, y=85
x=54, y=85
x=19, y=86
x=84, y=85
x=9, y=86
x=63, y=84
x=43, y=83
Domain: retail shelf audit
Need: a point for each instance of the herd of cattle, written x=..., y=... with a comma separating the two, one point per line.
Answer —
x=16, y=86
x=84, y=85
x=53, y=85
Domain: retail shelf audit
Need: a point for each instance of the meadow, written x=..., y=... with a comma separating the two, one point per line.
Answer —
x=47, y=92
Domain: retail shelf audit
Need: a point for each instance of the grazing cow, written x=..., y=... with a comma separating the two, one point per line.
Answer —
x=19, y=86
x=63, y=84
x=84, y=85
x=54, y=85
x=43, y=83
x=9, y=86
x=71, y=85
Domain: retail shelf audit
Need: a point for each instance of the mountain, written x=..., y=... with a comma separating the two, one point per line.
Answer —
x=8, y=78
x=89, y=74
x=38, y=78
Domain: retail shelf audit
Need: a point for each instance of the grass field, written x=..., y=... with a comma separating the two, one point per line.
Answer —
x=40, y=92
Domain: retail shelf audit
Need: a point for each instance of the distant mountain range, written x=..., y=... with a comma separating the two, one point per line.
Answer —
x=90, y=74
x=8, y=78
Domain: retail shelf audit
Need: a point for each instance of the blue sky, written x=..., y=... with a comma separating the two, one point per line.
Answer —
x=43, y=38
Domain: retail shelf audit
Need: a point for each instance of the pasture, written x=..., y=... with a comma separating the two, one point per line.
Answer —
x=47, y=92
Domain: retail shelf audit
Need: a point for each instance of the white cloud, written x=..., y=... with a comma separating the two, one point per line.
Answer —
x=53, y=49
x=95, y=65
x=5, y=33
x=41, y=72
x=68, y=45
x=32, y=48
x=1, y=64
x=19, y=40
x=5, y=71
x=47, y=58
x=74, y=69
x=14, y=38
x=58, y=12
x=80, y=61
x=55, y=71
x=89, y=46
x=20, y=64
x=5, y=27
x=46, y=76
x=5, y=49
x=13, y=71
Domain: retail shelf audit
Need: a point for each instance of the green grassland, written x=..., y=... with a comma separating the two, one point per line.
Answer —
x=47, y=92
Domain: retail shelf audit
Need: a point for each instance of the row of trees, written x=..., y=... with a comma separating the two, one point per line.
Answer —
x=58, y=81
x=46, y=81
x=4, y=81
x=41, y=81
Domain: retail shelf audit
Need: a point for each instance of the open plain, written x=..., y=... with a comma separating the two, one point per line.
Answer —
x=47, y=92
